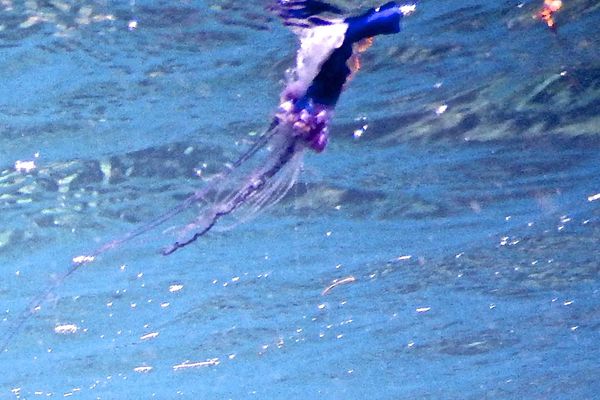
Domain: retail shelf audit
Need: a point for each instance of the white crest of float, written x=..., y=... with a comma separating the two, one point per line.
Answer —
x=316, y=45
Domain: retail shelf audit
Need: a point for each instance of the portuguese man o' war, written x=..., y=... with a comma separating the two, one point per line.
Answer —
x=327, y=58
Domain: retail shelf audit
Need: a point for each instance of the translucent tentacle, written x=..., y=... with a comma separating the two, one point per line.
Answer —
x=200, y=196
x=272, y=193
x=258, y=189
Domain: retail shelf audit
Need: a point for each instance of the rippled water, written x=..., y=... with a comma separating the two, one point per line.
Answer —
x=467, y=212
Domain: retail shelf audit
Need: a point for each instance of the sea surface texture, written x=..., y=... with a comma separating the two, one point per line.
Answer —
x=445, y=245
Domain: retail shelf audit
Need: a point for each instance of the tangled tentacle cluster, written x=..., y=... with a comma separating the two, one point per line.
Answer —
x=310, y=124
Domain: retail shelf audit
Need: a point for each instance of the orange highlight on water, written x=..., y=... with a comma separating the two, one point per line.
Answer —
x=547, y=12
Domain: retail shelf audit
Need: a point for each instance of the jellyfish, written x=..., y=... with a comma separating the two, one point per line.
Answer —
x=326, y=60
x=327, y=57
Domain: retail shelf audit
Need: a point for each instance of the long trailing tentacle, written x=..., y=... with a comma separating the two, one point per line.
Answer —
x=82, y=260
x=276, y=188
x=34, y=305
x=187, y=203
x=254, y=185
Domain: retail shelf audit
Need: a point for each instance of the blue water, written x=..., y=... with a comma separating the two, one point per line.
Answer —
x=472, y=234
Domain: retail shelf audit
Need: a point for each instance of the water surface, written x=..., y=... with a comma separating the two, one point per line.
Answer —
x=472, y=233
